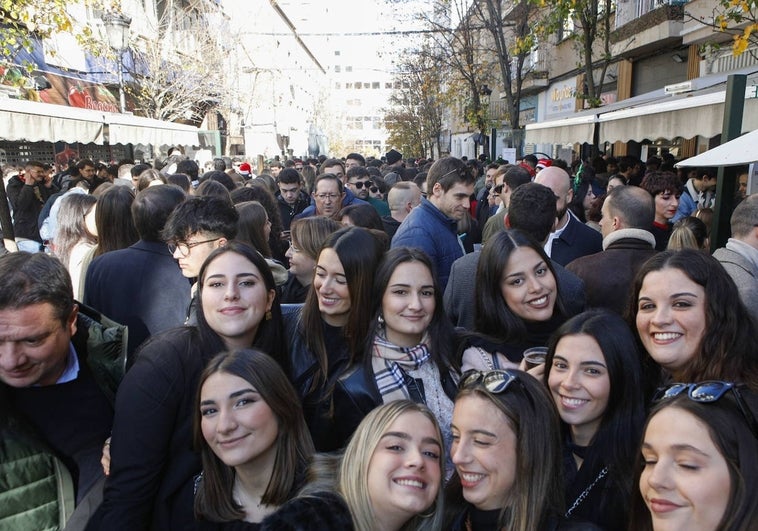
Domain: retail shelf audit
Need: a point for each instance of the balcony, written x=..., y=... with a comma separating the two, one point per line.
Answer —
x=647, y=25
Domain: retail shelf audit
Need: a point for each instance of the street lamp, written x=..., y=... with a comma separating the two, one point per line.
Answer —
x=117, y=31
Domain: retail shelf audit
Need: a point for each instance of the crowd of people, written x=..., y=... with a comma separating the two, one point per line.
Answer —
x=378, y=344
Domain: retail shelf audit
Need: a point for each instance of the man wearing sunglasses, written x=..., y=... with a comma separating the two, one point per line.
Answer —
x=359, y=182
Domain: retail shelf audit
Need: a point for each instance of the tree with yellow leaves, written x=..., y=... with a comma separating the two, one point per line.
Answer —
x=738, y=18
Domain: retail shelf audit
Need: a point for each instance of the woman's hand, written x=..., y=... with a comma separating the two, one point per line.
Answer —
x=538, y=371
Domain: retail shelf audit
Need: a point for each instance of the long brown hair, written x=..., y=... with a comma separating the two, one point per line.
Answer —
x=214, y=500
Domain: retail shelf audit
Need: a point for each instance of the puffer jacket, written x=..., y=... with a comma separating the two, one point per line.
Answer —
x=36, y=489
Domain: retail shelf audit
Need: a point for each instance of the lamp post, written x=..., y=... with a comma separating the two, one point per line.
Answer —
x=117, y=31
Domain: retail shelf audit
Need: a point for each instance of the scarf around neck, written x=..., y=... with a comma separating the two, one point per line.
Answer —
x=390, y=362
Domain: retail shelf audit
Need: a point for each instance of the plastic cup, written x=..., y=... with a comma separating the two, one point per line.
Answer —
x=535, y=356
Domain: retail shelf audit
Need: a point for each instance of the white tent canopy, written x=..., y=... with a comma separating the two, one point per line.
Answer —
x=741, y=150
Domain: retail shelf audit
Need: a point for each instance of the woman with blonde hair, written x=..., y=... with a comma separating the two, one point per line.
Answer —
x=389, y=478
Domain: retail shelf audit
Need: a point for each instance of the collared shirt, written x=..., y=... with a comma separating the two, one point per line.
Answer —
x=71, y=372
x=555, y=235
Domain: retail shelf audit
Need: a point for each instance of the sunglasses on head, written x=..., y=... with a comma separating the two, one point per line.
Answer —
x=496, y=382
x=707, y=392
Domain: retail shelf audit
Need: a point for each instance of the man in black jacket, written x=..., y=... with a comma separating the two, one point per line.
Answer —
x=27, y=194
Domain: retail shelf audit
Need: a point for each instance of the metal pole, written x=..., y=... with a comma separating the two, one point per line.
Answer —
x=121, y=96
x=734, y=107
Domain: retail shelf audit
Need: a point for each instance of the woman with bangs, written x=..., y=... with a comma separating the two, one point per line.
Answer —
x=518, y=304
x=327, y=334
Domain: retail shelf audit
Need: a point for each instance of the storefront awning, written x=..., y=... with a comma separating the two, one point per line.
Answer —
x=578, y=128
x=130, y=129
x=34, y=121
x=741, y=150
x=683, y=116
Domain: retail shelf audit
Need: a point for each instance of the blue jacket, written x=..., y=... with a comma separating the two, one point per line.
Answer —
x=349, y=199
x=428, y=229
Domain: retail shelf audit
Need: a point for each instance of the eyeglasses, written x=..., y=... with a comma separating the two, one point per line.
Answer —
x=360, y=184
x=373, y=189
x=498, y=189
x=292, y=246
x=325, y=197
x=184, y=247
x=707, y=392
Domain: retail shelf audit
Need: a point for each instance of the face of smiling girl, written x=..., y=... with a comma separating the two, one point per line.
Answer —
x=528, y=287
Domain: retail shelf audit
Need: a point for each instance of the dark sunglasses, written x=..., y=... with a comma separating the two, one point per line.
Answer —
x=360, y=184
x=707, y=392
x=373, y=189
x=498, y=189
x=496, y=382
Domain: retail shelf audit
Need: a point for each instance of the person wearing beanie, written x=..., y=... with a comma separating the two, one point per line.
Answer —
x=394, y=159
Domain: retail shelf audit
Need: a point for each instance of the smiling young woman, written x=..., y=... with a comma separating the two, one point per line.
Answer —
x=152, y=459
x=409, y=343
x=252, y=437
x=518, y=304
x=594, y=374
x=697, y=466
x=327, y=334
x=506, y=452
x=388, y=479
x=691, y=321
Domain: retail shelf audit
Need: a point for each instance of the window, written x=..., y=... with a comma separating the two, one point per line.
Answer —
x=375, y=85
x=358, y=84
x=337, y=68
x=338, y=85
x=388, y=84
x=348, y=86
x=336, y=53
x=348, y=69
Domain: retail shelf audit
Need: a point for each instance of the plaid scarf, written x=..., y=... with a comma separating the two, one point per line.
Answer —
x=390, y=363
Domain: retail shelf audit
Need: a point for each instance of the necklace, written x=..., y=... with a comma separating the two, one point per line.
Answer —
x=586, y=492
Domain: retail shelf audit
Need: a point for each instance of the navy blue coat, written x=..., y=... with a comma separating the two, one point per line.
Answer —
x=141, y=287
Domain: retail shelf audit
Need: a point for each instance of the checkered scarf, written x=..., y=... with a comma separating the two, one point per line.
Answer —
x=390, y=363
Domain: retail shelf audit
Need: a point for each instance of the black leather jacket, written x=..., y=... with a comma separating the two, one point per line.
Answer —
x=332, y=420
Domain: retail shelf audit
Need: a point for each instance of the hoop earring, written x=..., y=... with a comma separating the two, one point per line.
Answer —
x=431, y=512
x=380, y=320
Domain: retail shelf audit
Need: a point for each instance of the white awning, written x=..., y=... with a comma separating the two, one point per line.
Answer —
x=681, y=116
x=562, y=131
x=130, y=129
x=35, y=121
x=741, y=150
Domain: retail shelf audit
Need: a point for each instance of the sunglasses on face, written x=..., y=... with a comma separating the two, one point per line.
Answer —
x=360, y=184
x=498, y=189
x=707, y=392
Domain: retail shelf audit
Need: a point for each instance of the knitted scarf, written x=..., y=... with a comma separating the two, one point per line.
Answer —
x=390, y=363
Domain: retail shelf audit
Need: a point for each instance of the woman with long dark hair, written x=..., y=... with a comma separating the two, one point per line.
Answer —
x=697, y=467
x=252, y=437
x=327, y=334
x=594, y=374
x=152, y=461
x=410, y=348
x=518, y=304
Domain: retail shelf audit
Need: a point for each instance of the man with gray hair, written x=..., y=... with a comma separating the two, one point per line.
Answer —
x=740, y=256
x=628, y=213
x=402, y=198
